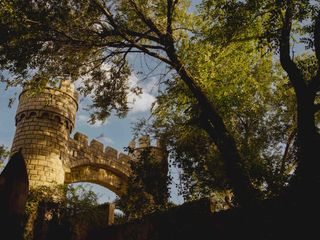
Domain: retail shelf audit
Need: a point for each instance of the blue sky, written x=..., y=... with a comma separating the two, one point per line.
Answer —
x=115, y=132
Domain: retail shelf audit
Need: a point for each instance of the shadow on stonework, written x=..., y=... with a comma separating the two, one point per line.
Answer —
x=14, y=186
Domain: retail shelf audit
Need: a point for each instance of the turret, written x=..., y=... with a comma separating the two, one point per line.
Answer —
x=155, y=155
x=158, y=151
x=44, y=122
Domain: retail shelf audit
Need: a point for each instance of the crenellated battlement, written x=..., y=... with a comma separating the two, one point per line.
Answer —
x=144, y=142
x=83, y=153
x=80, y=141
x=157, y=151
x=59, y=105
x=67, y=87
x=81, y=138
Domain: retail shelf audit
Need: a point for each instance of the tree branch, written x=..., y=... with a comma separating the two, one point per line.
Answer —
x=286, y=151
x=143, y=35
x=113, y=33
x=294, y=73
x=124, y=34
x=147, y=20
x=170, y=9
x=212, y=121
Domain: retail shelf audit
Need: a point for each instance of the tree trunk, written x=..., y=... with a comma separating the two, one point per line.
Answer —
x=308, y=143
x=240, y=182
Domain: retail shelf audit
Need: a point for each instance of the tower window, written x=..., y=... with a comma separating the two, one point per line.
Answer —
x=45, y=115
x=57, y=119
x=33, y=114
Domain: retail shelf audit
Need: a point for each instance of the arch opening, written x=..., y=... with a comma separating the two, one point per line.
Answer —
x=104, y=194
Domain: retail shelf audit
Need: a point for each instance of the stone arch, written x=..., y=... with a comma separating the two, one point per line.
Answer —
x=103, y=176
x=20, y=117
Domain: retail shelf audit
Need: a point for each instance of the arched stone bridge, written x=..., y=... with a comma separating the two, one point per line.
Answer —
x=104, y=166
x=93, y=163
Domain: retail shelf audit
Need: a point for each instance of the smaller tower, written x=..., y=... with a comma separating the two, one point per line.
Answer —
x=158, y=151
x=158, y=156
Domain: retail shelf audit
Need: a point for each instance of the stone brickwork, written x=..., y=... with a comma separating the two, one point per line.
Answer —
x=94, y=163
x=44, y=122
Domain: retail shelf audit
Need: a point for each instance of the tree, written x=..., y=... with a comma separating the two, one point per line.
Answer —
x=14, y=187
x=41, y=40
x=306, y=89
x=283, y=22
x=255, y=113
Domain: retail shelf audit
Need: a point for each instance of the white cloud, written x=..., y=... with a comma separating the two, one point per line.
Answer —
x=79, y=83
x=137, y=104
x=105, y=140
x=151, y=85
x=142, y=102
x=83, y=119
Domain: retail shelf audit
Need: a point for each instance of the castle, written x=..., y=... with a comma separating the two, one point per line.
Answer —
x=44, y=122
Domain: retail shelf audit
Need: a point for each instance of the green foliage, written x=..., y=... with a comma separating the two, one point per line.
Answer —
x=110, y=89
x=250, y=94
x=50, y=49
x=285, y=25
x=232, y=21
x=147, y=186
x=73, y=209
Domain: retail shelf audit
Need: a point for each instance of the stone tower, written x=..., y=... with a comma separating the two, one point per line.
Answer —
x=44, y=122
